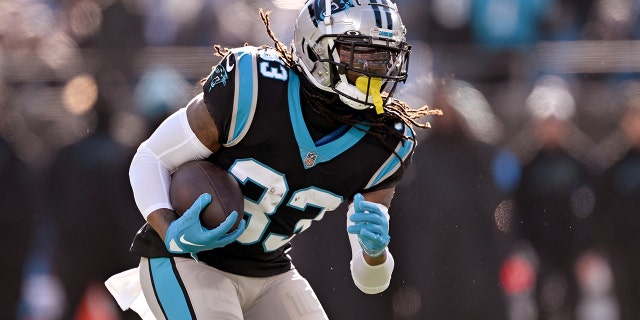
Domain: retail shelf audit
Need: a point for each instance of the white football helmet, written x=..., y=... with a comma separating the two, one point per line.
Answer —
x=355, y=48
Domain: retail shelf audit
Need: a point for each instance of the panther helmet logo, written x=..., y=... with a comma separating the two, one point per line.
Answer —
x=336, y=6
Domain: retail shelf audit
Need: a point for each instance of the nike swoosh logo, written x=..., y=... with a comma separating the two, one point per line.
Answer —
x=185, y=241
x=229, y=67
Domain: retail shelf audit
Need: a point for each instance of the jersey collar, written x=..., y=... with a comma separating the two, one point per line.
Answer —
x=311, y=153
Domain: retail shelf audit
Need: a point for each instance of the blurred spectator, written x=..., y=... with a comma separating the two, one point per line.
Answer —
x=438, y=21
x=93, y=207
x=164, y=19
x=612, y=20
x=18, y=221
x=555, y=198
x=509, y=24
x=89, y=198
x=619, y=208
x=565, y=19
x=444, y=212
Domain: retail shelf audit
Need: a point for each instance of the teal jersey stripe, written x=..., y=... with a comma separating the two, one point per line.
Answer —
x=168, y=289
x=246, y=95
x=310, y=153
x=403, y=150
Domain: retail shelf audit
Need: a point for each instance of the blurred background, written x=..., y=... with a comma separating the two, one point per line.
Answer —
x=522, y=201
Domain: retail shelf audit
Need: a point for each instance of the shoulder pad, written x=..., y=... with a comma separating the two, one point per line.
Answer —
x=404, y=149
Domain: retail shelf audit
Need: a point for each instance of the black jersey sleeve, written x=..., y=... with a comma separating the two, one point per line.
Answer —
x=230, y=93
x=392, y=170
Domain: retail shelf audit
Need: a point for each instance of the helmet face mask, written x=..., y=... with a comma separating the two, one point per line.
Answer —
x=359, y=55
x=349, y=53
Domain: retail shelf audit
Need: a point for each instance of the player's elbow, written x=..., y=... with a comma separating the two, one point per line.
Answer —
x=143, y=160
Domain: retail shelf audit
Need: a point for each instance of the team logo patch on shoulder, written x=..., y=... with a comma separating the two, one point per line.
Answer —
x=218, y=75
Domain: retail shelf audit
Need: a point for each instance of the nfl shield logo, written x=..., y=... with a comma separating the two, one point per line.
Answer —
x=310, y=160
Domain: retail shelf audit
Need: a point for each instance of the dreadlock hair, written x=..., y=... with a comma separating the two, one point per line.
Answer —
x=394, y=110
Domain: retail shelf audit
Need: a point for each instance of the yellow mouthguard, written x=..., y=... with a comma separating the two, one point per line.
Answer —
x=374, y=84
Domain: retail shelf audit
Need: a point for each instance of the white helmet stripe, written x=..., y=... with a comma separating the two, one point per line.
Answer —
x=327, y=17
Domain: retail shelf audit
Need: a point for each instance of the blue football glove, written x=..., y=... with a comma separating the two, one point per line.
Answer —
x=187, y=235
x=371, y=226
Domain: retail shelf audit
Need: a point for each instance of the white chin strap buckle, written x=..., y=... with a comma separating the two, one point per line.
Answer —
x=351, y=91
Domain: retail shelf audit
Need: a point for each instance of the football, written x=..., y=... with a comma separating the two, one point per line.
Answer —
x=194, y=178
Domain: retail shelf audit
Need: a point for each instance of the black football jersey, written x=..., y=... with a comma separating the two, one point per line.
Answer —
x=289, y=180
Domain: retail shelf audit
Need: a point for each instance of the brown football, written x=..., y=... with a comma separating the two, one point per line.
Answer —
x=194, y=178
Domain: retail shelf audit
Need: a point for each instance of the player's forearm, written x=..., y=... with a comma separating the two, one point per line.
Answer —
x=370, y=274
x=374, y=261
x=160, y=220
x=371, y=261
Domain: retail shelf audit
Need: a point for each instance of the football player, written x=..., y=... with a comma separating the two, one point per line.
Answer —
x=302, y=130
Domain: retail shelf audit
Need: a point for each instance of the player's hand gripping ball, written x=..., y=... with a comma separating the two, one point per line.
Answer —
x=195, y=178
x=371, y=225
x=210, y=205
